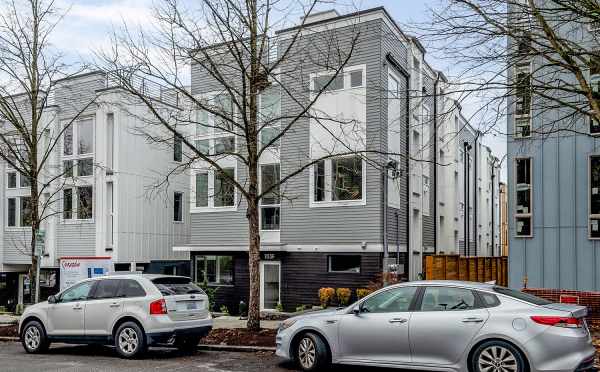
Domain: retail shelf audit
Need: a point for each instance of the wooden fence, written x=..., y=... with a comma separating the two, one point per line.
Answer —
x=476, y=269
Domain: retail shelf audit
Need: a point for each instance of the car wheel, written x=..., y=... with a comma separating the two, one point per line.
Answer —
x=130, y=340
x=187, y=344
x=311, y=353
x=497, y=356
x=33, y=338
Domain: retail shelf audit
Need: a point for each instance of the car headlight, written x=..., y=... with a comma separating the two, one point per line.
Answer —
x=288, y=323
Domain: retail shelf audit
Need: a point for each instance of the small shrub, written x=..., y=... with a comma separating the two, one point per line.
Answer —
x=300, y=308
x=279, y=307
x=2, y=309
x=362, y=292
x=343, y=295
x=224, y=310
x=19, y=309
x=326, y=296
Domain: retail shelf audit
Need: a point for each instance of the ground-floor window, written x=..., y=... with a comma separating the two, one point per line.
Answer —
x=344, y=264
x=216, y=270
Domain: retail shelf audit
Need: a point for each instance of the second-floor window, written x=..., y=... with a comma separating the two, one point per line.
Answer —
x=18, y=213
x=522, y=100
x=595, y=86
x=78, y=158
x=178, y=207
x=594, y=197
x=177, y=149
x=213, y=189
x=338, y=180
x=524, y=192
x=270, y=204
x=78, y=203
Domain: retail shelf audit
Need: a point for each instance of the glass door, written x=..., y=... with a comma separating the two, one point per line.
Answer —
x=270, y=279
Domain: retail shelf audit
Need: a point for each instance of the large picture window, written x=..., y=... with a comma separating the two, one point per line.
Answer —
x=523, y=207
x=344, y=264
x=213, y=189
x=216, y=270
x=338, y=180
x=594, y=197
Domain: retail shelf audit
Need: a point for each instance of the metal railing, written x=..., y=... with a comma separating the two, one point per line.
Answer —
x=142, y=86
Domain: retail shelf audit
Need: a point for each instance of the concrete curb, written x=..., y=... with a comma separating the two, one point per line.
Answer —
x=242, y=349
x=9, y=339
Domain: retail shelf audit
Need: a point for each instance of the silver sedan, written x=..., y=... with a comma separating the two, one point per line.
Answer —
x=443, y=326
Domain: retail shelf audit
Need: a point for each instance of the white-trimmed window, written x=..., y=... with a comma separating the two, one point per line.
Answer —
x=78, y=157
x=18, y=211
x=522, y=100
x=213, y=191
x=523, y=199
x=594, y=197
x=78, y=202
x=270, y=111
x=270, y=204
x=338, y=181
x=215, y=270
x=350, y=78
x=15, y=180
x=215, y=134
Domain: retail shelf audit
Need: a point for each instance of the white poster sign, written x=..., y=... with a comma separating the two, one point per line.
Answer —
x=75, y=269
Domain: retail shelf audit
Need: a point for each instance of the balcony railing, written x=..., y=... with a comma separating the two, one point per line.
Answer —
x=142, y=86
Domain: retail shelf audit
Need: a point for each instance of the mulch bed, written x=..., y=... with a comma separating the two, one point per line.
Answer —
x=9, y=331
x=240, y=337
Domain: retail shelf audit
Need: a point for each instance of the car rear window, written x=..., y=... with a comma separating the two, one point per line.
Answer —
x=170, y=286
x=522, y=296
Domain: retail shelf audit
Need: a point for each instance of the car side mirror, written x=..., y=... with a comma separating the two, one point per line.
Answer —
x=356, y=310
x=52, y=299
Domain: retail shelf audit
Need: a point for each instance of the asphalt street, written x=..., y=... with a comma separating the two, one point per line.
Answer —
x=68, y=358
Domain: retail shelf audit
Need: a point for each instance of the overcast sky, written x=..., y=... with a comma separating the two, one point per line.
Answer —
x=88, y=25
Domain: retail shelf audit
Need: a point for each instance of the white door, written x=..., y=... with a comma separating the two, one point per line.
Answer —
x=270, y=284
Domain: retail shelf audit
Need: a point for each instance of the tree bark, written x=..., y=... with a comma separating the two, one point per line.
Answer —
x=254, y=267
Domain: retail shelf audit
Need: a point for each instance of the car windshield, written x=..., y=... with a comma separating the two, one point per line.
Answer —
x=170, y=286
x=522, y=296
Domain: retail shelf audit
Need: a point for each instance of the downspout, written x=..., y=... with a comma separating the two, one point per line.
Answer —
x=493, y=202
x=435, y=164
x=390, y=58
x=466, y=193
x=475, y=192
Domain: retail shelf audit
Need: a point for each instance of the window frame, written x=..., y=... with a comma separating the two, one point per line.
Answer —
x=589, y=188
x=75, y=205
x=345, y=75
x=329, y=178
x=181, y=207
x=216, y=257
x=275, y=147
x=529, y=215
x=18, y=212
x=519, y=67
x=261, y=204
x=211, y=132
x=211, y=208
x=477, y=301
x=329, y=264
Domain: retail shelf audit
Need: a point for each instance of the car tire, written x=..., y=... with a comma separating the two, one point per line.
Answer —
x=34, y=338
x=130, y=340
x=497, y=354
x=187, y=344
x=311, y=353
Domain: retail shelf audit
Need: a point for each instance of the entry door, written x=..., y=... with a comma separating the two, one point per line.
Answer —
x=379, y=332
x=450, y=318
x=270, y=284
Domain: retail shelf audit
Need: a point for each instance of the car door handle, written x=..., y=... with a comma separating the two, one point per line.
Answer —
x=331, y=321
x=77, y=307
x=114, y=305
x=472, y=320
x=398, y=320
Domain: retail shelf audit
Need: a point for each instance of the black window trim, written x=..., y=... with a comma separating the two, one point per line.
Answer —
x=360, y=265
x=92, y=295
x=89, y=296
x=413, y=303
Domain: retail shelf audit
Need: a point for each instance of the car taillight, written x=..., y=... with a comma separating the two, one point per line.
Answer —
x=558, y=321
x=158, y=307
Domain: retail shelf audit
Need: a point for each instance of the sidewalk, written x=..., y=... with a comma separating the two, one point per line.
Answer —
x=232, y=322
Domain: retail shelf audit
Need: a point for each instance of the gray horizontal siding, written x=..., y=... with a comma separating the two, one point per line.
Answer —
x=17, y=246
x=76, y=96
x=76, y=239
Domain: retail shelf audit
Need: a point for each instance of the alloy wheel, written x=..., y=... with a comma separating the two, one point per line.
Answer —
x=128, y=340
x=307, y=353
x=33, y=338
x=497, y=359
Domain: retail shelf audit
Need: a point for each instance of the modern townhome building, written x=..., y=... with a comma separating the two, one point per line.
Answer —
x=553, y=172
x=108, y=202
x=317, y=232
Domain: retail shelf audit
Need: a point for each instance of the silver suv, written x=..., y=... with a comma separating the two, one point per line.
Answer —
x=131, y=312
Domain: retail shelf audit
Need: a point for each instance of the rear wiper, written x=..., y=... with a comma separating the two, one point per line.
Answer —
x=194, y=291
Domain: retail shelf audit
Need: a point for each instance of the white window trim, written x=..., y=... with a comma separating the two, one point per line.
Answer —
x=525, y=116
x=217, y=270
x=261, y=205
x=272, y=151
x=345, y=73
x=589, y=188
x=212, y=132
x=262, y=282
x=328, y=185
x=75, y=204
x=524, y=215
x=17, y=226
x=211, y=188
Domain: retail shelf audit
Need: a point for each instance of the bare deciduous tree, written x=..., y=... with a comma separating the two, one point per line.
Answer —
x=29, y=65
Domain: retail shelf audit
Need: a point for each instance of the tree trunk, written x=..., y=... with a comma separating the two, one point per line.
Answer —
x=35, y=226
x=254, y=266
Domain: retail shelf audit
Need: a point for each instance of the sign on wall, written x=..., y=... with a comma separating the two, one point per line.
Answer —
x=75, y=269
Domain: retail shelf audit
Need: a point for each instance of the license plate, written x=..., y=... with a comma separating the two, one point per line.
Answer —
x=188, y=306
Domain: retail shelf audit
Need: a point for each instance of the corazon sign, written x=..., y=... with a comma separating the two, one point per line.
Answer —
x=74, y=269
